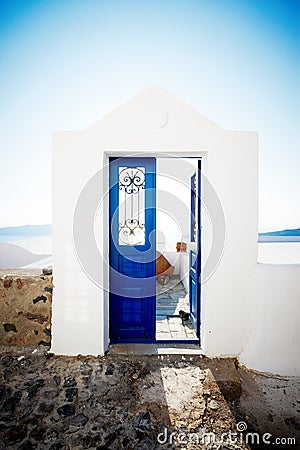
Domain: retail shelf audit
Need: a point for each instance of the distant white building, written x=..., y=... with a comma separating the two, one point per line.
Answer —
x=137, y=168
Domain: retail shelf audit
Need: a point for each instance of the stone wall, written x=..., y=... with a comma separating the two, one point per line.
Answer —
x=25, y=305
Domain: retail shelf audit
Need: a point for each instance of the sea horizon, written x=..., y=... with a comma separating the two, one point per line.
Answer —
x=275, y=252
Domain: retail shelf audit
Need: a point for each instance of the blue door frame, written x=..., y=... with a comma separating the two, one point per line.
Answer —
x=195, y=255
x=132, y=200
x=132, y=277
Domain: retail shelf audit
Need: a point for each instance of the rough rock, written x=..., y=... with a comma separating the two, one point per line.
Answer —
x=213, y=404
x=25, y=308
x=9, y=327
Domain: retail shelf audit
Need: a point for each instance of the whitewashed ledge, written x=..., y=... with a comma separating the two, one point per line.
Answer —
x=35, y=253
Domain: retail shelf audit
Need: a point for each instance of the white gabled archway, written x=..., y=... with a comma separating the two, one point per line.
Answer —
x=154, y=122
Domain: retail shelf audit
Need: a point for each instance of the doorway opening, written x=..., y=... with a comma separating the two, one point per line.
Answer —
x=154, y=249
x=177, y=250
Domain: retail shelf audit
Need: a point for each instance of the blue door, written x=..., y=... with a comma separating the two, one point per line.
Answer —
x=132, y=249
x=195, y=252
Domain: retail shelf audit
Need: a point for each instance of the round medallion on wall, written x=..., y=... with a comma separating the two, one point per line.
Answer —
x=158, y=117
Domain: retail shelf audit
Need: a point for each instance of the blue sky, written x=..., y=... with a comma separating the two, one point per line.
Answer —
x=66, y=63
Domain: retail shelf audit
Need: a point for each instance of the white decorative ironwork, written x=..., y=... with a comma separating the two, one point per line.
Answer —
x=132, y=179
x=132, y=232
x=131, y=205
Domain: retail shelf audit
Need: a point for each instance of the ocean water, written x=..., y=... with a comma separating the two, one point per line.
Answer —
x=268, y=252
x=279, y=252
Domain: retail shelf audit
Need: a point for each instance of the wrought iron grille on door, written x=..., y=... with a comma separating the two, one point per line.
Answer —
x=131, y=206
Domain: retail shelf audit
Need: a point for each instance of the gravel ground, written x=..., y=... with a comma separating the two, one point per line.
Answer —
x=111, y=402
x=138, y=402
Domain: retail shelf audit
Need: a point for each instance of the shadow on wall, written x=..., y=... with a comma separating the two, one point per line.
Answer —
x=14, y=256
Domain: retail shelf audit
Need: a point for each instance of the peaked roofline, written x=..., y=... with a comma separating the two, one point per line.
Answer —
x=155, y=91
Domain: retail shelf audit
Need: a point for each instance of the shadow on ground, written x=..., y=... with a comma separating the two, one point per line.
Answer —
x=268, y=405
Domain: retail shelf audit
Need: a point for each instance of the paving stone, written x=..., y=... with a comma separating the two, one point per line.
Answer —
x=142, y=421
x=162, y=327
x=169, y=303
x=66, y=410
x=46, y=407
x=110, y=369
x=79, y=420
x=57, y=379
x=70, y=394
x=178, y=335
x=162, y=336
x=37, y=433
x=34, y=386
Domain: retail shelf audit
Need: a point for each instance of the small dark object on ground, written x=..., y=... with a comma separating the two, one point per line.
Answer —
x=184, y=315
x=47, y=271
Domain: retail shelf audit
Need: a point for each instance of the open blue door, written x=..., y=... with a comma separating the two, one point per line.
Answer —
x=195, y=252
x=132, y=249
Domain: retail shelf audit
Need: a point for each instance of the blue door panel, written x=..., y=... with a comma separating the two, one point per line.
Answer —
x=131, y=268
x=132, y=264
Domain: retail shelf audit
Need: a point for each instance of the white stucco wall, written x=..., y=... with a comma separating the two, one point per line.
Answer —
x=184, y=269
x=173, y=199
x=273, y=344
x=156, y=123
